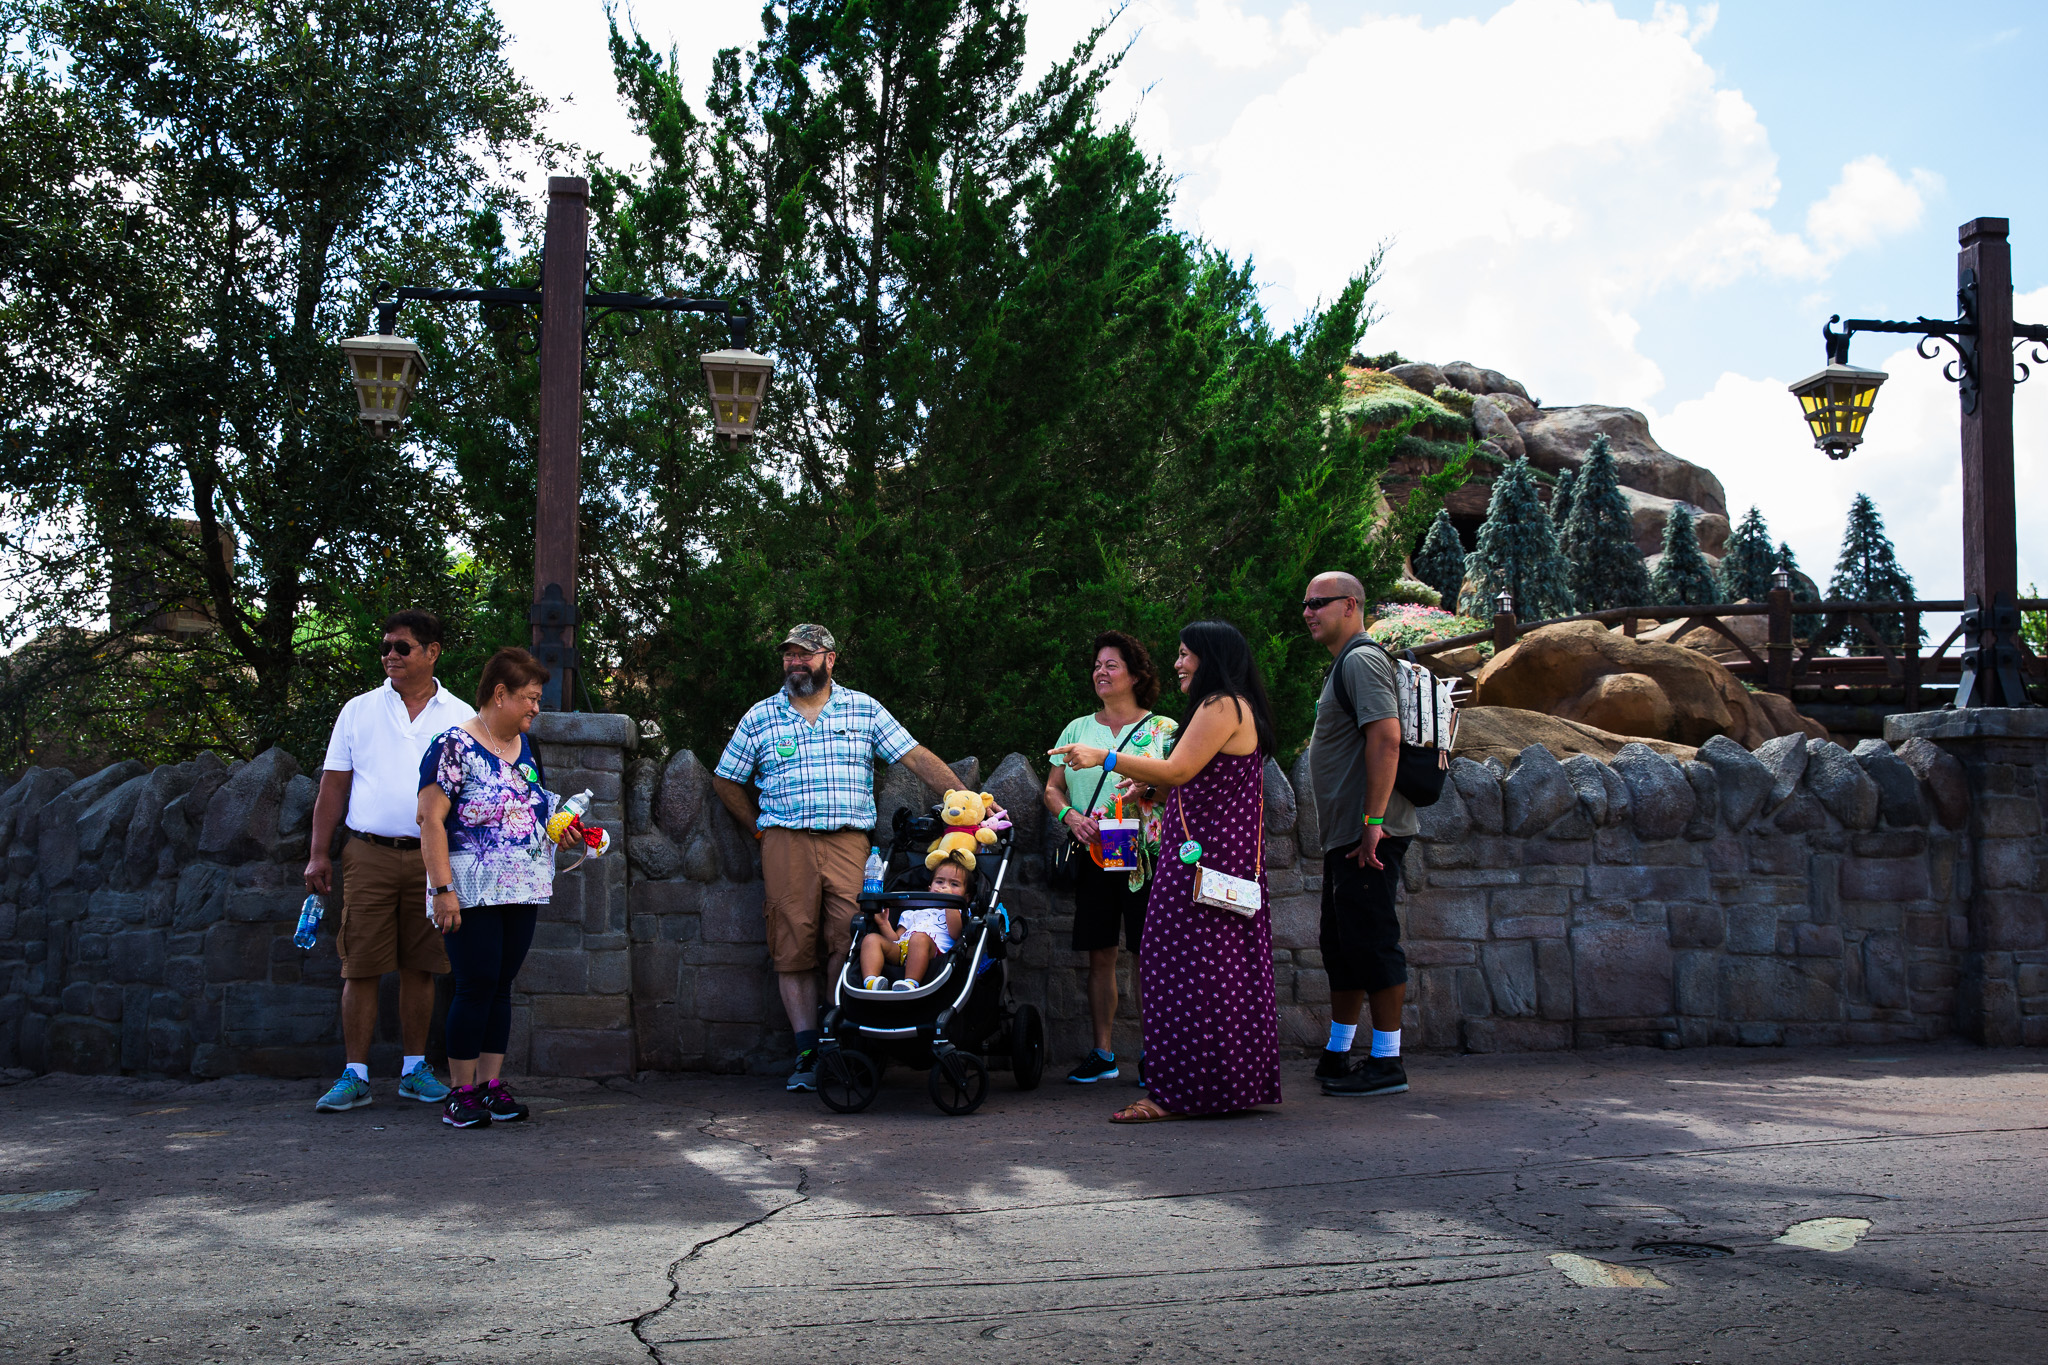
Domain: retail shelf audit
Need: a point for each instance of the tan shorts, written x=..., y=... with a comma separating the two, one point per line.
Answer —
x=812, y=882
x=384, y=924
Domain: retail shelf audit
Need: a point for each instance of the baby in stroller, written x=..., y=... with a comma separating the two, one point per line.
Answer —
x=925, y=934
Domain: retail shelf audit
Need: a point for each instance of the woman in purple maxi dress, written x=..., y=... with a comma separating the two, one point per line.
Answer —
x=1212, y=1028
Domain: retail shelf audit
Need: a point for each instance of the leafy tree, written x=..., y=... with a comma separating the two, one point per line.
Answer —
x=1684, y=577
x=1441, y=561
x=1867, y=570
x=1803, y=627
x=1561, y=499
x=1606, y=567
x=1749, y=564
x=1517, y=553
x=203, y=191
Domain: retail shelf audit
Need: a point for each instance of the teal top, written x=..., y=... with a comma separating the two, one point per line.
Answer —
x=1153, y=740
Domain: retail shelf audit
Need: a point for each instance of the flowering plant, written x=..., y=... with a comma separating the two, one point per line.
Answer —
x=1403, y=625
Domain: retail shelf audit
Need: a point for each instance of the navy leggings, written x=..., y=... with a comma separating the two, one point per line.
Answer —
x=485, y=953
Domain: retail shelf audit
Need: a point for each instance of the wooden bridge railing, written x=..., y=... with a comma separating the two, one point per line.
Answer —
x=1783, y=665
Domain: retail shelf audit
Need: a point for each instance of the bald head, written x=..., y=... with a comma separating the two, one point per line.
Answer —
x=1334, y=609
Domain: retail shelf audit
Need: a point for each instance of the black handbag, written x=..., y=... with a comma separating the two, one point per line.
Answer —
x=1063, y=869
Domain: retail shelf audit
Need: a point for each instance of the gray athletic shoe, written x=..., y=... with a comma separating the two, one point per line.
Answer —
x=422, y=1084
x=345, y=1094
x=805, y=1077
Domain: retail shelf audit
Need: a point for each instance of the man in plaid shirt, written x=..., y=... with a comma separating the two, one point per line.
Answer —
x=810, y=749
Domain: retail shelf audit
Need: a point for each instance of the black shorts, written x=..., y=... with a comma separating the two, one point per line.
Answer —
x=1361, y=938
x=1104, y=906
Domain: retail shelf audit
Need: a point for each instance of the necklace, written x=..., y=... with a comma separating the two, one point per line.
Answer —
x=495, y=744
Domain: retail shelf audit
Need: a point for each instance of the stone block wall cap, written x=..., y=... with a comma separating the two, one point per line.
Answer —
x=586, y=727
x=1977, y=722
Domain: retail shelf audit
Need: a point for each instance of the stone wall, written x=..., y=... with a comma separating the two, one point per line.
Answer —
x=1800, y=894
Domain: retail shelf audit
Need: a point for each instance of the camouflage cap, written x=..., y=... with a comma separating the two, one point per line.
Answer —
x=813, y=638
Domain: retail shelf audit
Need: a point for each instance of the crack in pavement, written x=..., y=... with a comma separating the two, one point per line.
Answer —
x=802, y=1194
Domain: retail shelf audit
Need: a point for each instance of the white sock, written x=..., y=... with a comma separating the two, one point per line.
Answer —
x=1386, y=1044
x=362, y=1070
x=410, y=1063
x=1340, y=1037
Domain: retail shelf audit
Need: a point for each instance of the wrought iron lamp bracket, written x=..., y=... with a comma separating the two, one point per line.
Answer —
x=597, y=307
x=1960, y=332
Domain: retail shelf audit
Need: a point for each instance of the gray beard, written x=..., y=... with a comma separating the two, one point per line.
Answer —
x=802, y=683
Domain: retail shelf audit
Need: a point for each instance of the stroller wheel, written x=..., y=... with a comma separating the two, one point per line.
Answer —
x=1027, y=1047
x=847, y=1080
x=959, y=1082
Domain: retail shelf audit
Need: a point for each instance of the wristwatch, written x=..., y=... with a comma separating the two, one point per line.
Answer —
x=434, y=891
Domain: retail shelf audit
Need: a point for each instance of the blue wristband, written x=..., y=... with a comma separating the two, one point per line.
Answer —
x=1109, y=761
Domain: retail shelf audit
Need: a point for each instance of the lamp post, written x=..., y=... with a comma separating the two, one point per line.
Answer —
x=1837, y=402
x=387, y=369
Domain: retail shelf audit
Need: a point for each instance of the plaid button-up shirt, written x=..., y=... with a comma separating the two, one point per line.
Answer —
x=815, y=775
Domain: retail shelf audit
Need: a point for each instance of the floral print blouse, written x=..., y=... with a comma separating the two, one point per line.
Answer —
x=498, y=845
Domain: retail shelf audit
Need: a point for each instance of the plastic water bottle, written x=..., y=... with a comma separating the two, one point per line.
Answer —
x=309, y=921
x=871, y=883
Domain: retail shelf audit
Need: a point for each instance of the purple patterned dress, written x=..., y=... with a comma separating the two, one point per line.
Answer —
x=1212, y=1027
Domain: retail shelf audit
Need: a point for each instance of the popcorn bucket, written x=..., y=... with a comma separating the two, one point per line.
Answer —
x=1119, y=844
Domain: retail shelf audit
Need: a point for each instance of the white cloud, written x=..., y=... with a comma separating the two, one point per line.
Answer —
x=1749, y=432
x=1869, y=203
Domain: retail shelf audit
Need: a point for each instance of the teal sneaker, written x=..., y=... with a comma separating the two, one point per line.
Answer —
x=421, y=1084
x=347, y=1093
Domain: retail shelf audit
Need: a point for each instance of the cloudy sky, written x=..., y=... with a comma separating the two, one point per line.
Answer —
x=1633, y=203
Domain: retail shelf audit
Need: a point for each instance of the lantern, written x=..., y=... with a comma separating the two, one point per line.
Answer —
x=386, y=370
x=1837, y=402
x=739, y=381
x=1505, y=602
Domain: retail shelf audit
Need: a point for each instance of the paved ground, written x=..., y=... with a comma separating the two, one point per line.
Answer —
x=717, y=1219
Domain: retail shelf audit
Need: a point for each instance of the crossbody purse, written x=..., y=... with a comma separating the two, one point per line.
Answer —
x=1237, y=894
x=1068, y=853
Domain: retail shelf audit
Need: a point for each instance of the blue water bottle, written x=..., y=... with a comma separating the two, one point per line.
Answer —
x=309, y=921
x=871, y=884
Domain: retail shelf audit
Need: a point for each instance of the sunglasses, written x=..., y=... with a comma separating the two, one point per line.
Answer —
x=399, y=647
x=1318, y=603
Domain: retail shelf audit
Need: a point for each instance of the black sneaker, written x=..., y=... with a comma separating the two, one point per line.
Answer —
x=464, y=1108
x=805, y=1077
x=499, y=1104
x=1333, y=1066
x=1373, y=1076
x=1094, y=1067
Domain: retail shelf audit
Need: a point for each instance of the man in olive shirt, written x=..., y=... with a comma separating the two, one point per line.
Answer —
x=1366, y=827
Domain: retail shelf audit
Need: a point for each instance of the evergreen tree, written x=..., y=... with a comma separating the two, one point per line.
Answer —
x=1748, y=566
x=1599, y=540
x=1868, y=570
x=1561, y=500
x=1441, y=561
x=1803, y=627
x=1684, y=578
x=1517, y=553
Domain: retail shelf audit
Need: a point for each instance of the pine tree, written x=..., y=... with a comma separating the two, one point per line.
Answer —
x=1561, y=499
x=1747, y=568
x=1441, y=561
x=1517, y=553
x=1868, y=571
x=1803, y=627
x=1684, y=578
x=1599, y=542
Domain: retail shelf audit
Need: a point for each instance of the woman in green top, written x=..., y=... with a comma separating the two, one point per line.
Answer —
x=1109, y=905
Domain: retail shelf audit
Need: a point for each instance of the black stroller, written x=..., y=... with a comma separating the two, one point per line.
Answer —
x=962, y=1013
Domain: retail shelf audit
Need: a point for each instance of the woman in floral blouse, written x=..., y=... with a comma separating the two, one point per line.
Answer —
x=483, y=828
x=1110, y=905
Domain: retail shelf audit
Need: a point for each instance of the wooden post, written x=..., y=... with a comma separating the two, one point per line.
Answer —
x=1778, y=662
x=1912, y=661
x=1503, y=632
x=558, y=453
x=1990, y=544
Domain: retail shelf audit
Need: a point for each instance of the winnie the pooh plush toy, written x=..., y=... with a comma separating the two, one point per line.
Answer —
x=964, y=813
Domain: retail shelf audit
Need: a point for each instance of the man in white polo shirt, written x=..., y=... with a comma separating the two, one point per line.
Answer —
x=373, y=773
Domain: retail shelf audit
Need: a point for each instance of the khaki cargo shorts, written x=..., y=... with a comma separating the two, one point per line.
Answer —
x=812, y=884
x=384, y=924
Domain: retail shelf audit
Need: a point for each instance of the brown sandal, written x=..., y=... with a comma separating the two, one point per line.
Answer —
x=1145, y=1110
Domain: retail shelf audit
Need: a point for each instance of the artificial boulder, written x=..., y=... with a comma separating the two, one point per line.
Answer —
x=240, y=821
x=1503, y=733
x=1421, y=377
x=1558, y=439
x=1493, y=425
x=1562, y=671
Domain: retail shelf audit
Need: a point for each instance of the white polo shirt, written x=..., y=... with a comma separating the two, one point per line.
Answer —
x=375, y=739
